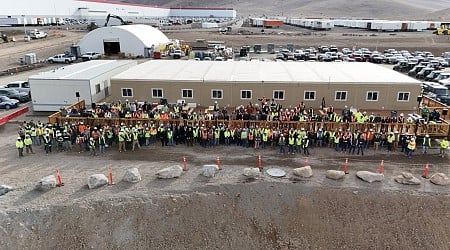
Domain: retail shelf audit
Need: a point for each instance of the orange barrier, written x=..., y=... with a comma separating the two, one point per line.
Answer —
x=381, y=168
x=218, y=163
x=260, y=163
x=184, y=164
x=59, y=179
x=346, y=166
x=425, y=171
x=111, y=182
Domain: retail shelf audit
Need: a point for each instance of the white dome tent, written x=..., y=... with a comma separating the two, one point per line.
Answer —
x=134, y=40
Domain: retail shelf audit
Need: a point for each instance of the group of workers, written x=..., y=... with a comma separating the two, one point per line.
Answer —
x=95, y=139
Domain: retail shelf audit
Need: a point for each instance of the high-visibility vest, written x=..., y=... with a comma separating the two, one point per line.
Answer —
x=412, y=145
x=147, y=134
x=169, y=134
x=390, y=138
x=28, y=141
x=243, y=135
x=227, y=133
x=305, y=143
x=291, y=140
x=426, y=142
x=121, y=137
x=19, y=144
x=444, y=144
x=217, y=134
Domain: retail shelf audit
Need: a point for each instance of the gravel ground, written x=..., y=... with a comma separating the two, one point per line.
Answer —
x=227, y=211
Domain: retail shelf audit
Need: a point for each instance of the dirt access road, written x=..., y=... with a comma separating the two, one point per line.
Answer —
x=224, y=212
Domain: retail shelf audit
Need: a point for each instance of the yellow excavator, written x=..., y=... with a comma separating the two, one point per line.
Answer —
x=443, y=30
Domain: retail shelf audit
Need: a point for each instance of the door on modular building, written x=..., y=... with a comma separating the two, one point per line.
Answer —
x=111, y=46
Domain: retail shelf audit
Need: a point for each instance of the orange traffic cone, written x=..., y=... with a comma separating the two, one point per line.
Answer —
x=111, y=182
x=380, y=170
x=306, y=163
x=346, y=166
x=259, y=163
x=425, y=172
x=59, y=179
x=184, y=164
x=218, y=163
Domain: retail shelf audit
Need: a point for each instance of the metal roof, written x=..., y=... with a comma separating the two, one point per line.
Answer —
x=82, y=71
x=263, y=71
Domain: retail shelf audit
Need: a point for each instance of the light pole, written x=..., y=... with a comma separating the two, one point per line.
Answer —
x=24, y=27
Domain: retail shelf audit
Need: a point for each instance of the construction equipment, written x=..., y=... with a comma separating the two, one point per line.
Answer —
x=122, y=22
x=443, y=30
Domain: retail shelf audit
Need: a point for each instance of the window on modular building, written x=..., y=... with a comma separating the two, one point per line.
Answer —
x=278, y=94
x=157, y=93
x=127, y=92
x=310, y=95
x=372, y=96
x=340, y=96
x=403, y=96
x=246, y=94
x=187, y=93
x=97, y=88
x=216, y=94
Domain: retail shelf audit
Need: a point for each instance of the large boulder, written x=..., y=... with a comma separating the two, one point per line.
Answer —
x=251, y=173
x=407, y=179
x=97, y=180
x=335, y=174
x=440, y=179
x=5, y=189
x=170, y=172
x=132, y=175
x=304, y=172
x=369, y=176
x=210, y=170
x=46, y=183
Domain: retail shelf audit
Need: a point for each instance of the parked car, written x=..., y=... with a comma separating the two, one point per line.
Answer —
x=37, y=34
x=7, y=103
x=14, y=94
x=90, y=56
x=177, y=54
x=62, y=58
x=21, y=86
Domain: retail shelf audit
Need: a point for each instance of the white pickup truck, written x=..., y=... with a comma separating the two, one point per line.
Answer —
x=90, y=56
x=62, y=58
x=37, y=34
x=21, y=86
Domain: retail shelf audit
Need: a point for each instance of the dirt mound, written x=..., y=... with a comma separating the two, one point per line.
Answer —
x=255, y=215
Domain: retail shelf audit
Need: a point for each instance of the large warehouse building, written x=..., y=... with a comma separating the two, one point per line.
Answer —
x=93, y=10
x=134, y=40
x=62, y=87
x=358, y=85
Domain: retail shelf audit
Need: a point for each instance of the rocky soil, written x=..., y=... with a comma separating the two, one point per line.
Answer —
x=224, y=212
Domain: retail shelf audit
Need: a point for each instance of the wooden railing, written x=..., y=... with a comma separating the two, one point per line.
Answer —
x=56, y=117
x=434, y=130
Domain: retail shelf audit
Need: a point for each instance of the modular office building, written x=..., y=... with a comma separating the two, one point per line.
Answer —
x=358, y=85
x=64, y=86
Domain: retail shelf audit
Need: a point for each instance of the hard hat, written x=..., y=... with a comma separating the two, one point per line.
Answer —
x=427, y=135
x=91, y=139
x=27, y=135
x=19, y=138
